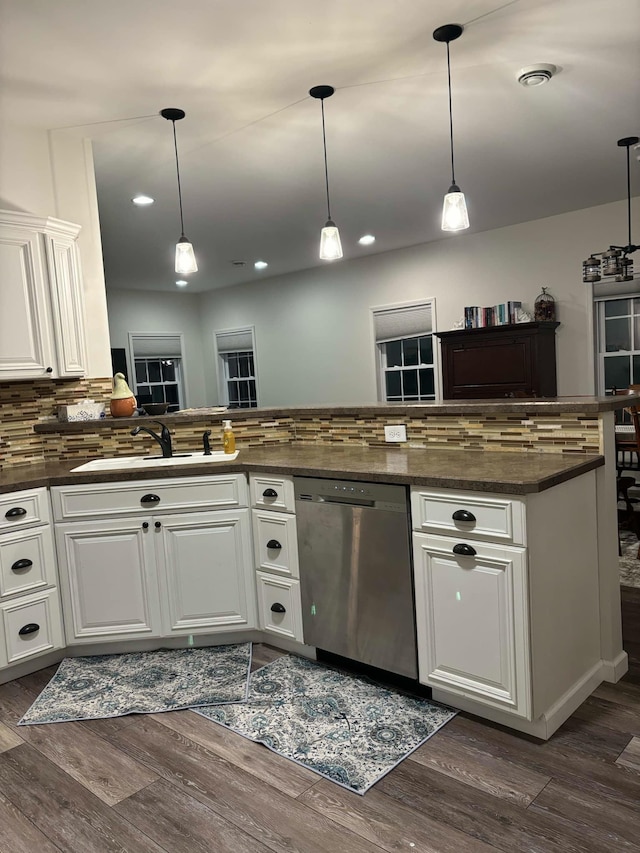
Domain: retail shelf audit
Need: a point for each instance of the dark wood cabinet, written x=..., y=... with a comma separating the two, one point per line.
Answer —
x=499, y=361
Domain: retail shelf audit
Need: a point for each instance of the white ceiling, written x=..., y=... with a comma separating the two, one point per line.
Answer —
x=251, y=144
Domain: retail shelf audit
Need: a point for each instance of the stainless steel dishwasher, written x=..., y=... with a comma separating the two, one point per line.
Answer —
x=355, y=571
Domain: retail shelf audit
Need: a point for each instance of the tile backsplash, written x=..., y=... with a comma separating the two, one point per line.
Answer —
x=23, y=404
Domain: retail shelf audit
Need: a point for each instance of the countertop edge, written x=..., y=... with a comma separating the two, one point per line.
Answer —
x=44, y=479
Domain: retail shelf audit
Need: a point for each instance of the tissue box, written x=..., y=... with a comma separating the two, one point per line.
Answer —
x=87, y=410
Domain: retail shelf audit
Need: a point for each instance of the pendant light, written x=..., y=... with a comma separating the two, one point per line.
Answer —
x=615, y=261
x=330, y=246
x=454, y=209
x=185, y=257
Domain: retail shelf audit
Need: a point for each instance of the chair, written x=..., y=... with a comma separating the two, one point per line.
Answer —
x=627, y=436
x=627, y=433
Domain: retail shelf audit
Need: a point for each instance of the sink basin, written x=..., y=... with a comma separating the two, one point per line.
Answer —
x=118, y=463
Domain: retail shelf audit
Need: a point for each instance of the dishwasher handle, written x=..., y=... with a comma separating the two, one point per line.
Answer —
x=346, y=501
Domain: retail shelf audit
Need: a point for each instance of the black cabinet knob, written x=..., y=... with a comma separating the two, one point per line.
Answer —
x=20, y=565
x=49, y=370
x=145, y=525
x=31, y=628
x=15, y=512
x=276, y=607
x=158, y=525
x=150, y=499
x=269, y=493
x=464, y=550
x=273, y=543
x=463, y=515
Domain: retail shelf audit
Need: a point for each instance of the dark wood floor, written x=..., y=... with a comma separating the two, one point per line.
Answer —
x=176, y=782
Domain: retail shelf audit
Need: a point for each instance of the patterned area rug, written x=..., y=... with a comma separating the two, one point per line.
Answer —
x=100, y=686
x=347, y=729
x=629, y=562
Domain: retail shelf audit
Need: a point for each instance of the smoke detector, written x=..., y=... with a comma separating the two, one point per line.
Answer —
x=536, y=75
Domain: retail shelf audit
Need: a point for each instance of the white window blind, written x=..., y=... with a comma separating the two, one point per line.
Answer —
x=391, y=324
x=158, y=346
x=237, y=341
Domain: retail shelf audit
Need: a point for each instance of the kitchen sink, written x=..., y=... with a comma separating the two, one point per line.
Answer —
x=118, y=463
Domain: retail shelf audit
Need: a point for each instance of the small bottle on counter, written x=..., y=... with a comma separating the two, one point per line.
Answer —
x=228, y=438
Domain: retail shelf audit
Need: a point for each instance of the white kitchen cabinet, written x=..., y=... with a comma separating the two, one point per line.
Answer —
x=30, y=612
x=158, y=572
x=108, y=579
x=41, y=300
x=275, y=545
x=507, y=611
x=203, y=561
x=472, y=615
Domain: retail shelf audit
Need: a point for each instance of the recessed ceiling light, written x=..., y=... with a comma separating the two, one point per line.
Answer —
x=536, y=75
x=181, y=282
x=261, y=265
x=367, y=240
x=142, y=199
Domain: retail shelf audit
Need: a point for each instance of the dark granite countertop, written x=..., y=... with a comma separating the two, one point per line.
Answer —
x=533, y=406
x=509, y=473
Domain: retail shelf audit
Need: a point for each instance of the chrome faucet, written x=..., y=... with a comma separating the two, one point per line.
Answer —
x=164, y=439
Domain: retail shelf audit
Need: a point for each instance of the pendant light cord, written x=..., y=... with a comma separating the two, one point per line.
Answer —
x=175, y=145
x=628, y=198
x=453, y=176
x=326, y=170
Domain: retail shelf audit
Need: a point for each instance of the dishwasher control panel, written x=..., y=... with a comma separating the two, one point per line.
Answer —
x=378, y=495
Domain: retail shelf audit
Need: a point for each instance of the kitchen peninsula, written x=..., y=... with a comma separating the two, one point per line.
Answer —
x=536, y=626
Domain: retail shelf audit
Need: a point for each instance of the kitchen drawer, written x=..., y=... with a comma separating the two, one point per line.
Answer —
x=96, y=500
x=274, y=493
x=23, y=509
x=279, y=607
x=27, y=561
x=31, y=626
x=468, y=514
x=275, y=542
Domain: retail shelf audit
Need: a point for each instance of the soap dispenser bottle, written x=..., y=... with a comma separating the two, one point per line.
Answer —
x=228, y=438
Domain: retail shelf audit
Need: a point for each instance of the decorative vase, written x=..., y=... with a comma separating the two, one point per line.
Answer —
x=122, y=408
x=123, y=403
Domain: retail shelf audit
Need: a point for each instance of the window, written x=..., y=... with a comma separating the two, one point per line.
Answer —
x=405, y=350
x=157, y=361
x=618, y=342
x=237, y=373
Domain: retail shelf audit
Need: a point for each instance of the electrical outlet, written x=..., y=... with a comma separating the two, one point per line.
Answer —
x=395, y=432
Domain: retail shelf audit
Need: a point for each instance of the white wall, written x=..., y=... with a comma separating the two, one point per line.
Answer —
x=175, y=313
x=51, y=174
x=313, y=329
x=313, y=332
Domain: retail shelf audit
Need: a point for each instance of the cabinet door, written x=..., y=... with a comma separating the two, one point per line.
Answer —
x=472, y=621
x=26, y=341
x=108, y=579
x=67, y=306
x=206, y=568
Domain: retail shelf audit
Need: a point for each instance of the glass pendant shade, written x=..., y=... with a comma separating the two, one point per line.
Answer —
x=185, y=257
x=454, y=210
x=330, y=245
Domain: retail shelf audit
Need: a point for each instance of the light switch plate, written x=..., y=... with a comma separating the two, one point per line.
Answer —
x=395, y=432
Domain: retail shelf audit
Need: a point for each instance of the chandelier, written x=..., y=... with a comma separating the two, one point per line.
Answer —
x=615, y=260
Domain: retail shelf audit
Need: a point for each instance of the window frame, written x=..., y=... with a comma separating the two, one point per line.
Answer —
x=600, y=342
x=167, y=355
x=221, y=361
x=379, y=349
